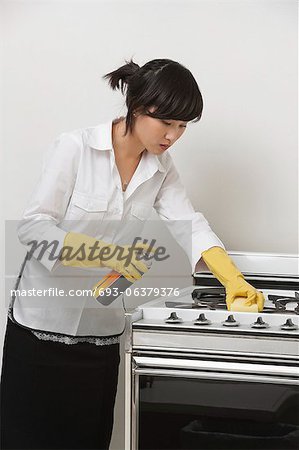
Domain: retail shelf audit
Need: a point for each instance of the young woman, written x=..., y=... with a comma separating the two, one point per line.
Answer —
x=61, y=353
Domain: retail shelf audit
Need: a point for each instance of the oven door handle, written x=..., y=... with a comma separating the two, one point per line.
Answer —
x=217, y=370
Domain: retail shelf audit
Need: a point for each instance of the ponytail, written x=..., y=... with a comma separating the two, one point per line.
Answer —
x=118, y=79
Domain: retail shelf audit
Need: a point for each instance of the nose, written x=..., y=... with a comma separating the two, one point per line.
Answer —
x=171, y=136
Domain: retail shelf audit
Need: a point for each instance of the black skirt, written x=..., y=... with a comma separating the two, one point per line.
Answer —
x=54, y=395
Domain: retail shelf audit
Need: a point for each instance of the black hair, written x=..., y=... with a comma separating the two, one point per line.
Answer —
x=162, y=83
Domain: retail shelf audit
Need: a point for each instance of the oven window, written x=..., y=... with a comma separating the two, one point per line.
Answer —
x=185, y=413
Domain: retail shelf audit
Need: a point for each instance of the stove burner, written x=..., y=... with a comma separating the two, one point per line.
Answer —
x=260, y=323
x=202, y=320
x=231, y=322
x=209, y=298
x=208, y=293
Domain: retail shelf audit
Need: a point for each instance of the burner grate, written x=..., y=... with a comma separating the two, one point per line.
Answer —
x=280, y=302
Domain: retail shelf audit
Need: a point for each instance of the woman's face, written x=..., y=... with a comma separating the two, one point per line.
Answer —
x=153, y=133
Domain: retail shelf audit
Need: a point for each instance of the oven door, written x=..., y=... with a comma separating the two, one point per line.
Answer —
x=193, y=403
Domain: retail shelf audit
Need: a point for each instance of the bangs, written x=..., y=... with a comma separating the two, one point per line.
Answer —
x=175, y=95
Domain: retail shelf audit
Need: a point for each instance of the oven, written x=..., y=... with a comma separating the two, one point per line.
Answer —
x=201, y=401
x=213, y=386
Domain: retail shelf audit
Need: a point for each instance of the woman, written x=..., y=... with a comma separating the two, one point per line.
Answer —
x=95, y=183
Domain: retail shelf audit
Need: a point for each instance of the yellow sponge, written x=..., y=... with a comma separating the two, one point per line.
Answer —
x=242, y=304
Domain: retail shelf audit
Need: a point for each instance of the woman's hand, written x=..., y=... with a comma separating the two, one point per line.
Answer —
x=82, y=250
x=221, y=265
x=116, y=260
x=238, y=287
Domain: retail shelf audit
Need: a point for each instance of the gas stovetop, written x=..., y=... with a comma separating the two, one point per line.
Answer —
x=204, y=309
x=196, y=319
x=201, y=308
x=214, y=299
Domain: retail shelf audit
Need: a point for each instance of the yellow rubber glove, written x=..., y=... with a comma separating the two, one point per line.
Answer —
x=221, y=265
x=81, y=250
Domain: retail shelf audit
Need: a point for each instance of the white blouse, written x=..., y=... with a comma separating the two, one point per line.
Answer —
x=80, y=190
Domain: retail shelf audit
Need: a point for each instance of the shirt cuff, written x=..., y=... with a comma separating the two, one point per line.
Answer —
x=48, y=248
x=201, y=242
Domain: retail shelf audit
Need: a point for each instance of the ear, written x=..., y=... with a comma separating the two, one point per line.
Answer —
x=138, y=111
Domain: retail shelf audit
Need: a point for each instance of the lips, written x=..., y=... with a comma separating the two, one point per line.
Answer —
x=164, y=146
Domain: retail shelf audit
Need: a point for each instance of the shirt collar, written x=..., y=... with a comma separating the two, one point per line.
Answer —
x=100, y=138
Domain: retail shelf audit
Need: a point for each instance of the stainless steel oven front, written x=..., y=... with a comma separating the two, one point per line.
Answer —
x=191, y=398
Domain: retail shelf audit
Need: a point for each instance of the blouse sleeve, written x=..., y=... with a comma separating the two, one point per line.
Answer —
x=49, y=200
x=173, y=205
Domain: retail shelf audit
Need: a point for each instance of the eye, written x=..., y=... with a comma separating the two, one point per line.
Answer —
x=168, y=123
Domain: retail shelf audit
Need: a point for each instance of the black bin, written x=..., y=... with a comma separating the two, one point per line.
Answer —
x=218, y=434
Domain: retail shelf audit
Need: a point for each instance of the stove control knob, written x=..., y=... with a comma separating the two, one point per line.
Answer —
x=231, y=322
x=173, y=318
x=289, y=325
x=260, y=323
x=202, y=320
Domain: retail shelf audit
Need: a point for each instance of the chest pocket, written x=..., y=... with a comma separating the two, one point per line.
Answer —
x=87, y=207
x=141, y=211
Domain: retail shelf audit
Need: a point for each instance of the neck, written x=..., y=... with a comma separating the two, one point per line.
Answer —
x=129, y=146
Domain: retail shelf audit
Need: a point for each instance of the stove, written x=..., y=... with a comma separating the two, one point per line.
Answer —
x=183, y=349
x=201, y=307
x=214, y=298
x=204, y=310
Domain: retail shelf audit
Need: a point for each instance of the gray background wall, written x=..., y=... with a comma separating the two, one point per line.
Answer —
x=239, y=163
